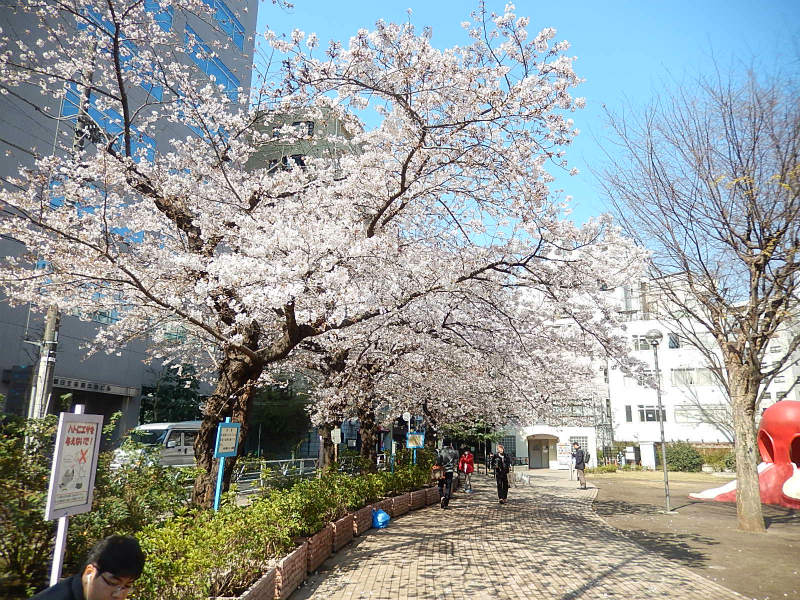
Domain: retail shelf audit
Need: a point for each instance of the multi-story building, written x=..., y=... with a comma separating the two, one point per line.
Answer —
x=105, y=383
x=695, y=405
x=623, y=409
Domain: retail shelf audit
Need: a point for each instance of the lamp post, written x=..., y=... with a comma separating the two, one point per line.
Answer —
x=654, y=336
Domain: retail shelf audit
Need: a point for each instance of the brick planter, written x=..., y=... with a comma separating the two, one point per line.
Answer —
x=290, y=572
x=419, y=498
x=342, y=531
x=263, y=589
x=401, y=504
x=362, y=520
x=433, y=495
x=385, y=505
x=319, y=547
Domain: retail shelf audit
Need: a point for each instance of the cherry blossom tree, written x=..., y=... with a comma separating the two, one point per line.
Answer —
x=447, y=190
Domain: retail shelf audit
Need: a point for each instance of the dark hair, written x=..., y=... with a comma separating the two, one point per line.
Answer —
x=119, y=555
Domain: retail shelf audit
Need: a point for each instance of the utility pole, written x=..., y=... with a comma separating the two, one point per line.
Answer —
x=42, y=386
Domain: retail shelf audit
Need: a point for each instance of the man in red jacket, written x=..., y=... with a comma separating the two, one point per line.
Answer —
x=466, y=465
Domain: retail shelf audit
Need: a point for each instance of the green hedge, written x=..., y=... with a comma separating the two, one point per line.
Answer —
x=198, y=554
x=191, y=553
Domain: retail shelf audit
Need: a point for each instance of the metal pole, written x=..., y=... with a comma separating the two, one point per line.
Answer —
x=661, y=423
x=220, y=473
x=61, y=534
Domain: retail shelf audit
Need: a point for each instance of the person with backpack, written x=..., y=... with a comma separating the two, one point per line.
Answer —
x=466, y=465
x=448, y=459
x=580, y=463
x=501, y=463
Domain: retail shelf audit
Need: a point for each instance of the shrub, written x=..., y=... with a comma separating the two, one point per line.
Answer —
x=198, y=554
x=25, y=537
x=125, y=500
x=682, y=456
x=603, y=469
x=730, y=461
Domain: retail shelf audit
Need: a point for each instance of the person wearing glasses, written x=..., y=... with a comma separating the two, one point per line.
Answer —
x=110, y=570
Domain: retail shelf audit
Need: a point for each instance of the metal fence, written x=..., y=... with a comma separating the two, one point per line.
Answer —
x=255, y=475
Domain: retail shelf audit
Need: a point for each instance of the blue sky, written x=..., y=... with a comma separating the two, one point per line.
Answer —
x=627, y=51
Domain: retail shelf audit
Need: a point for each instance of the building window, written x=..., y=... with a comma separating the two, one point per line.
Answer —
x=509, y=443
x=685, y=376
x=227, y=22
x=582, y=440
x=703, y=413
x=674, y=341
x=210, y=64
x=779, y=379
x=304, y=128
x=646, y=378
x=110, y=122
x=106, y=317
x=650, y=413
x=780, y=395
x=640, y=343
x=628, y=414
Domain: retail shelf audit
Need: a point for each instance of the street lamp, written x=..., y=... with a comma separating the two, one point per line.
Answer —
x=654, y=336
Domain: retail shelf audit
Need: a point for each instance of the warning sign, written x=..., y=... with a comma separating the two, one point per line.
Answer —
x=74, y=465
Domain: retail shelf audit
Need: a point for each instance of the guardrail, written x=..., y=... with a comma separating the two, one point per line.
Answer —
x=254, y=475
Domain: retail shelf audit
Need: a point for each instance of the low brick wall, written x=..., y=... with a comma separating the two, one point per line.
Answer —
x=290, y=572
x=401, y=504
x=263, y=589
x=342, y=531
x=362, y=520
x=385, y=505
x=319, y=547
x=419, y=498
x=433, y=495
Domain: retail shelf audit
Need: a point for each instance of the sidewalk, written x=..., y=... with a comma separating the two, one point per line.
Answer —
x=545, y=543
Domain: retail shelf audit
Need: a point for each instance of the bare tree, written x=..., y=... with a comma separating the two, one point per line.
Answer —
x=708, y=180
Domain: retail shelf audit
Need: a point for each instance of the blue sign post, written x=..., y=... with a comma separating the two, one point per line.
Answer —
x=227, y=441
x=415, y=439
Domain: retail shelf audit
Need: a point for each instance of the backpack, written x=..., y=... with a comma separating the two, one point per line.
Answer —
x=586, y=456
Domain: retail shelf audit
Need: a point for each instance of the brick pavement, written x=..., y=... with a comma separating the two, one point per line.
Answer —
x=545, y=543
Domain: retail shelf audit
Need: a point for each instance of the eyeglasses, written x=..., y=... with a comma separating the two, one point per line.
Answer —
x=126, y=588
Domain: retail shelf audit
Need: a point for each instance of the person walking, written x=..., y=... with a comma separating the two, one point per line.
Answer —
x=580, y=464
x=501, y=463
x=109, y=572
x=448, y=459
x=466, y=465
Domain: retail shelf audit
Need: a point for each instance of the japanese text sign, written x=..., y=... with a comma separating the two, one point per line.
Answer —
x=74, y=465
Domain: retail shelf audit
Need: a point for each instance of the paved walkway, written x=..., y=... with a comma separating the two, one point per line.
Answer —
x=545, y=543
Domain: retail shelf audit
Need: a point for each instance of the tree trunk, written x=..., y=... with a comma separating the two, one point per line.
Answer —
x=748, y=496
x=326, y=455
x=232, y=398
x=369, y=437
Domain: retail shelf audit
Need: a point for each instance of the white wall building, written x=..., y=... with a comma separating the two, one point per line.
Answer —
x=623, y=409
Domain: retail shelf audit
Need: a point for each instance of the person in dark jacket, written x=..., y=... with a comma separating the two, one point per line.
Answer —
x=580, y=464
x=501, y=463
x=109, y=572
x=447, y=458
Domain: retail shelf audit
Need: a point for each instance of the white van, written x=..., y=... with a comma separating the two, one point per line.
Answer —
x=175, y=442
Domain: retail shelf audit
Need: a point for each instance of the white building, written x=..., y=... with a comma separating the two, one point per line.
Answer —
x=623, y=409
